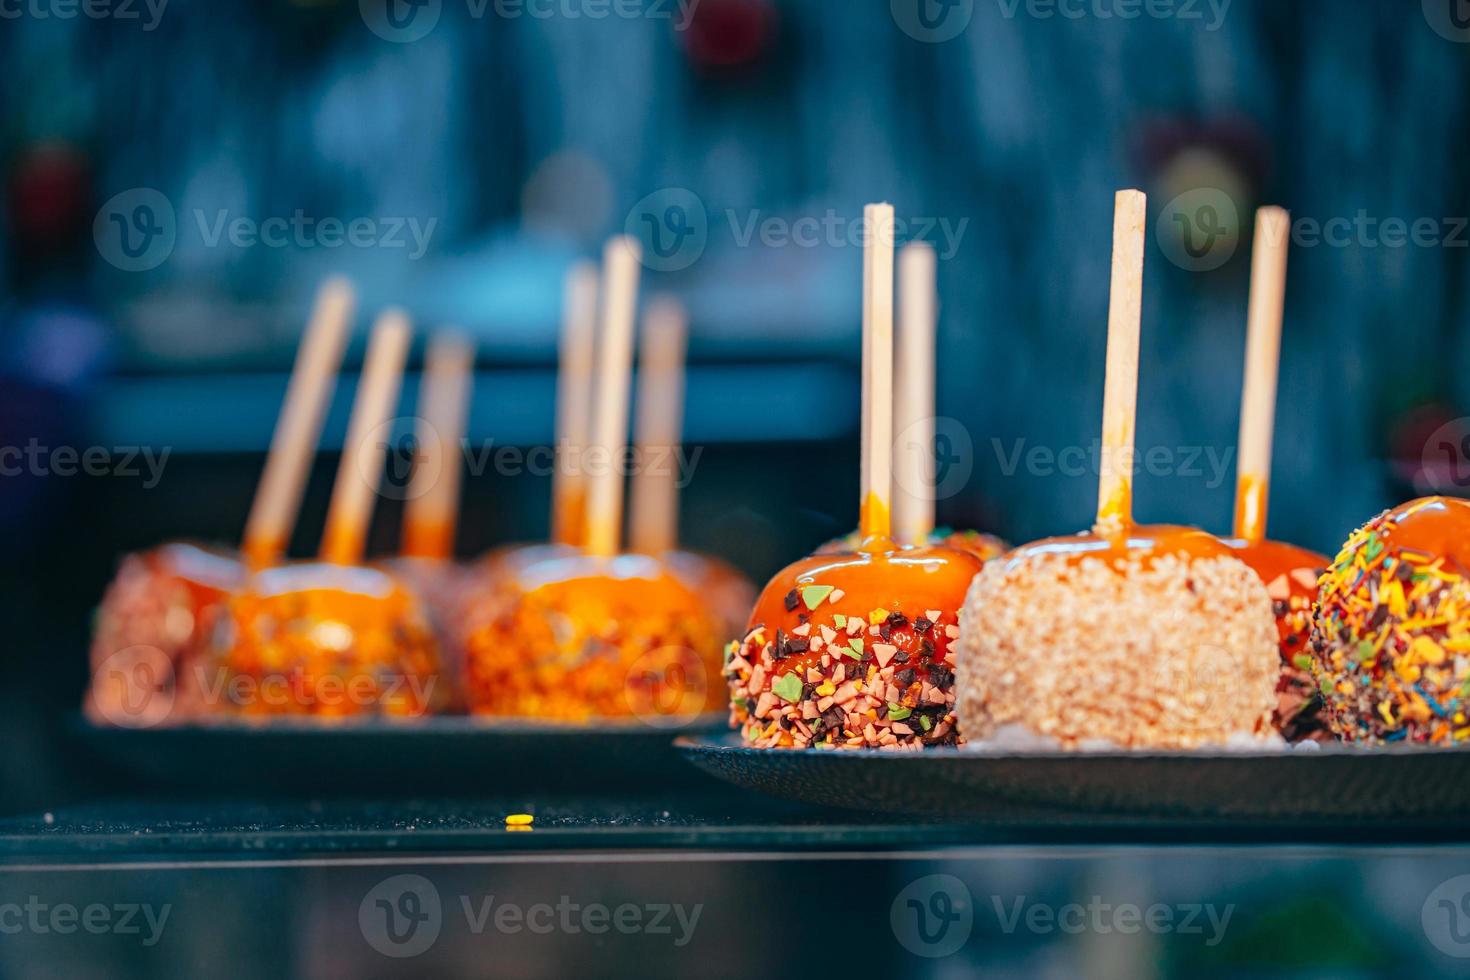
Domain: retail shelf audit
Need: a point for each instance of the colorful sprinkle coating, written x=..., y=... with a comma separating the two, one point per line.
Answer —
x=1390, y=647
x=878, y=680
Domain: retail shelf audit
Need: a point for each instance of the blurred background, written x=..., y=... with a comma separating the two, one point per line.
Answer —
x=180, y=175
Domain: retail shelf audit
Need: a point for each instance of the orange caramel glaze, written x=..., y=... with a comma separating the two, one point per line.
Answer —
x=566, y=638
x=1434, y=526
x=1136, y=542
x=910, y=581
x=311, y=621
x=1272, y=559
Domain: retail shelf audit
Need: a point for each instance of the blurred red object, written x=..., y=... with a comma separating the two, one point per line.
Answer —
x=726, y=34
x=48, y=193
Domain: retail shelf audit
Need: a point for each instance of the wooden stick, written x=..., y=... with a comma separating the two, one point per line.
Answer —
x=1120, y=395
x=432, y=513
x=299, y=427
x=620, y=267
x=913, y=486
x=360, y=473
x=877, y=435
x=1262, y=360
x=573, y=404
x=653, y=524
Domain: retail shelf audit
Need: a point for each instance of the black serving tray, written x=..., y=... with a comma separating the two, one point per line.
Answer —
x=447, y=754
x=1335, y=784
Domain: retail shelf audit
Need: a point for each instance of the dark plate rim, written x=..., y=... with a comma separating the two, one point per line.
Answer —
x=411, y=728
x=704, y=744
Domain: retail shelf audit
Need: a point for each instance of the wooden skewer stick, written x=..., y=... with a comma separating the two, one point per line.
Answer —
x=1120, y=394
x=432, y=513
x=877, y=434
x=309, y=392
x=913, y=486
x=1262, y=361
x=653, y=525
x=360, y=474
x=620, y=264
x=573, y=405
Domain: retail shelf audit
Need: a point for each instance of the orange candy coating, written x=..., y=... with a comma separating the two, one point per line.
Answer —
x=978, y=543
x=853, y=650
x=151, y=625
x=577, y=638
x=325, y=641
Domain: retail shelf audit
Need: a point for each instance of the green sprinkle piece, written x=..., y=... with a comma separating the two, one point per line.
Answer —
x=787, y=687
x=925, y=723
x=897, y=712
x=1302, y=661
x=815, y=595
x=857, y=645
x=1365, y=650
x=839, y=620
